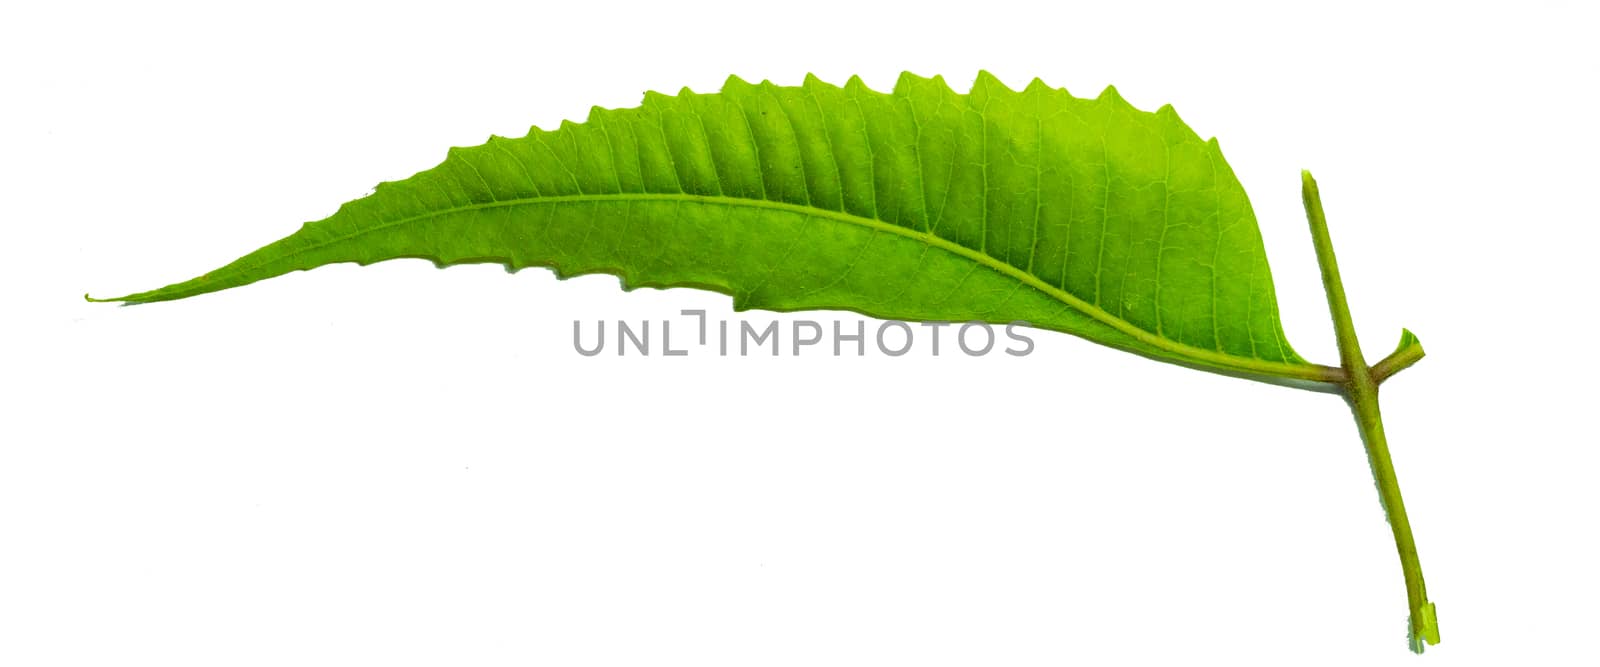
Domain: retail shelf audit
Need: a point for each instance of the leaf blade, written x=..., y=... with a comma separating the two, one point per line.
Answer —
x=922, y=204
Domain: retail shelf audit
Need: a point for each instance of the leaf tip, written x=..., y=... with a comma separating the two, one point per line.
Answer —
x=124, y=300
x=733, y=81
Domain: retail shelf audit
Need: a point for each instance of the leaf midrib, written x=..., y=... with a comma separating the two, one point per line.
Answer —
x=1312, y=372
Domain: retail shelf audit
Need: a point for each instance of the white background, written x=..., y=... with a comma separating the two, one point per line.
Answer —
x=400, y=465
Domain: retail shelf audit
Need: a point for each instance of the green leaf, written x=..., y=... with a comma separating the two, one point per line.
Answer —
x=1088, y=217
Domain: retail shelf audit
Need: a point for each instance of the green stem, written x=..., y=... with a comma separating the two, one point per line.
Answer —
x=1409, y=352
x=1361, y=391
